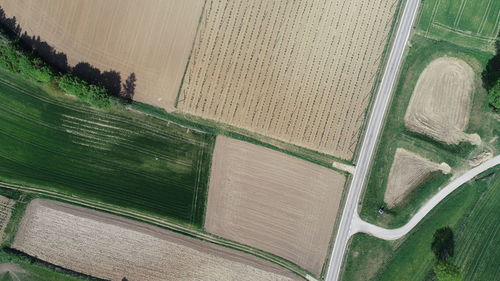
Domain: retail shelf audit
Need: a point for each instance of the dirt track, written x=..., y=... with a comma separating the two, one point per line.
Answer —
x=441, y=101
x=111, y=247
x=151, y=38
x=408, y=170
x=272, y=201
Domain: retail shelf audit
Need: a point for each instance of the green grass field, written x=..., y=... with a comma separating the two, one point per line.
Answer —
x=478, y=236
x=394, y=135
x=472, y=213
x=468, y=23
x=130, y=160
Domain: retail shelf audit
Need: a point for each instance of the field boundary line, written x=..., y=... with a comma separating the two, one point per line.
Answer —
x=176, y=102
x=497, y=25
x=485, y=16
x=462, y=32
x=461, y=9
x=433, y=16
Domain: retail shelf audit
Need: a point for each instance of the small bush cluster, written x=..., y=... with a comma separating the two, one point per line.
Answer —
x=494, y=95
x=95, y=95
x=17, y=61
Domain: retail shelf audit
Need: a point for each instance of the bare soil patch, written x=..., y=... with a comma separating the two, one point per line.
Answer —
x=273, y=201
x=408, y=171
x=441, y=101
x=151, y=38
x=12, y=270
x=298, y=71
x=111, y=247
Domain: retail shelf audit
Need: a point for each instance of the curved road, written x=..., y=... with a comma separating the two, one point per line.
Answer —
x=359, y=225
x=373, y=129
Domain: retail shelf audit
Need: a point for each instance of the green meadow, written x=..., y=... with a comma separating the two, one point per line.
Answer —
x=133, y=161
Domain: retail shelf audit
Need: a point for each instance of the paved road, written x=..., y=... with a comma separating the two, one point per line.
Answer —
x=371, y=136
x=359, y=225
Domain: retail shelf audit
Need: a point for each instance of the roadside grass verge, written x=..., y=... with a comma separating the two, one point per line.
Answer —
x=471, y=211
x=422, y=52
x=115, y=156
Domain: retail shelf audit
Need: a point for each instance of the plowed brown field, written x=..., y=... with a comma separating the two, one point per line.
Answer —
x=151, y=38
x=111, y=248
x=273, y=201
x=298, y=71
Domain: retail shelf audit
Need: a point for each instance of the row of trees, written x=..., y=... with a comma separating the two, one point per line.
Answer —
x=16, y=59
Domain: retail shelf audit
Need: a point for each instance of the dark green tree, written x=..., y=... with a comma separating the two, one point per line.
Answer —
x=443, y=244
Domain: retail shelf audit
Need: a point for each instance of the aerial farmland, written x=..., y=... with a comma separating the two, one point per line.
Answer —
x=112, y=248
x=300, y=72
x=118, y=35
x=273, y=202
x=213, y=140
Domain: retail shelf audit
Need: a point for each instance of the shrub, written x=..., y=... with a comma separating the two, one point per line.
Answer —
x=447, y=272
x=95, y=95
x=15, y=60
x=494, y=95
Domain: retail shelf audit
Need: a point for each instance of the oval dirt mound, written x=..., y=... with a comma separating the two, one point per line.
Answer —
x=441, y=101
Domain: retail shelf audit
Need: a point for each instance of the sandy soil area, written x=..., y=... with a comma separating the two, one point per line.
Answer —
x=273, y=201
x=441, y=101
x=12, y=270
x=408, y=170
x=111, y=247
x=298, y=71
x=151, y=38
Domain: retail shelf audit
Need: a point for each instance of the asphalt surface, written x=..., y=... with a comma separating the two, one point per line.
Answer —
x=359, y=225
x=370, y=139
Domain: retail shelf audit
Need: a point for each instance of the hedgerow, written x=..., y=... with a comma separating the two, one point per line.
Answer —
x=95, y=95
x=18, y=60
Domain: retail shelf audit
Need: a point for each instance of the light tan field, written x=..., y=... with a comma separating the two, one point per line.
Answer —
x=6, y=205
x=298, y=71
x=441, y=101
x=273, y=201
x=151, y=38
x=408, y=171
x=111, y=248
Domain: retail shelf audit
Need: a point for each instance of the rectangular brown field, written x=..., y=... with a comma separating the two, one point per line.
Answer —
x=273, y=202
x=111, y=248
x=151, y=38
x=298, y=71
